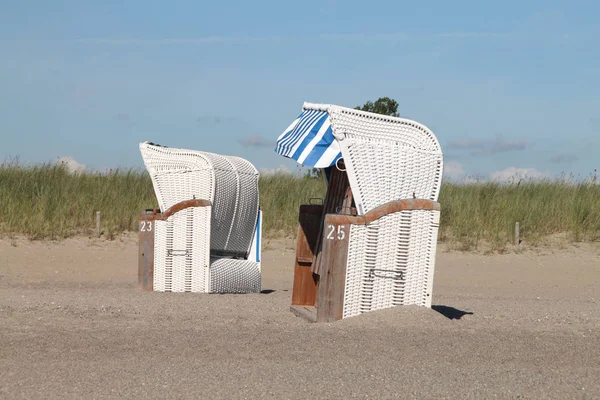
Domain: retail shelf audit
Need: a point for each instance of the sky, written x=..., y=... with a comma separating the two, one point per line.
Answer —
x=509, y=88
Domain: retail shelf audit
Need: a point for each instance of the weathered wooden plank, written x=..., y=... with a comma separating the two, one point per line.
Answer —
x=146, y=239
x=332, y=280
x=337, y=190
x=181, y=206
x=309, y=222
x=305, y=283
x=385, y=209
x=348, y=203
x=146, y=251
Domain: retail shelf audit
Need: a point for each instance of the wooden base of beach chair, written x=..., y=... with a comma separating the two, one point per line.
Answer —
x=376, y=239
x=147, y=229
x=318, y=297
x=321, y=253
x=321, y=297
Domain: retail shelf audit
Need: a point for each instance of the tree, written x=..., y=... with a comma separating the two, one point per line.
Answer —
x=383, y=105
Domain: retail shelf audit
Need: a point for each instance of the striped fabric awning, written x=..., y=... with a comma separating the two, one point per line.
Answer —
x=309, y=140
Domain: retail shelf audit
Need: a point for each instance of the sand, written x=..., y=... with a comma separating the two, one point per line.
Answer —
x=73, y=324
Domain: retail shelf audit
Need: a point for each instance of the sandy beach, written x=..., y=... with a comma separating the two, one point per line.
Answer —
x=73, y=324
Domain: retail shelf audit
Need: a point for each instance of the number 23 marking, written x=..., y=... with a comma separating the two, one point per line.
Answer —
x=146, y=226
x=341, y=233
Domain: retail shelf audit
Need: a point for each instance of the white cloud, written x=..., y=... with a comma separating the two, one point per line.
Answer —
x=486, y=147
x=256, y=141
x=167, y=41
x=137, y=41
x=564, y=158
x=403, y=36
x=350, y=37
x=455, y=173
x=454, y=170
x=123, y=116
x=514, y=174
x=274, y=171
x=71, y=165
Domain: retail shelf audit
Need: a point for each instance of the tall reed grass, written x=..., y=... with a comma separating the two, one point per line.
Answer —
x=47, y=202
x=487, y=212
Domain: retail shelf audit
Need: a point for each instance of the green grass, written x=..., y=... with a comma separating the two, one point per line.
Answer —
x=487, y=212
x=280, y=198
x=46, y=202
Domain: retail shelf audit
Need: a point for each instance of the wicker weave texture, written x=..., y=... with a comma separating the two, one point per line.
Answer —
x=181, y=251
x=185, y=241
x=402, y=172
x=177, y=174
x=391, y=262
x=387, y=158
x=247, y=208
x=181, y=260
x=224, y=201
x=230, y=183
x=242, y=222
x=234, y=276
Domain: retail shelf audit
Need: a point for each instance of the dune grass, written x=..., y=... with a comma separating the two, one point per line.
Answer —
x=280, y=198
x=47, y=202
x=487, y=212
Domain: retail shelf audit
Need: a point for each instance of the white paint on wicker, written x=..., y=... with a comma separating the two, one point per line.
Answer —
x=387, y=158
x=185, y=241
x=234, y=276
x=181, y=251
x=391, y=261
x=160, y=256
x=230, y=183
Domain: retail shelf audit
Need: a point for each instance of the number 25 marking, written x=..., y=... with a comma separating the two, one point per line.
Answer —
x=145, y=226
x=341, y=233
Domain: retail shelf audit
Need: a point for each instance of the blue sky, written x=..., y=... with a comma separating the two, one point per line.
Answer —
x=508, y=87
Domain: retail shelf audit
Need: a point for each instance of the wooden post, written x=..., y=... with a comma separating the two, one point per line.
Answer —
x=305, y=286
x=330, y=293
x=517, y=234
x=146, y=251
x=146, y=238
x=98, y=231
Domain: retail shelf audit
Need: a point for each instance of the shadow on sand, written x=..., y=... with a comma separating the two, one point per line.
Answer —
x=451, y=312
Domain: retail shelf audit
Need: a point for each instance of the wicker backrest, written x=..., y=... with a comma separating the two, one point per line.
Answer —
x=230, y=183
x=387, y=158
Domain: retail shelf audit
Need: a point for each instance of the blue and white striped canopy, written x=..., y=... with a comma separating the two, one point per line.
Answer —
x=309, y=140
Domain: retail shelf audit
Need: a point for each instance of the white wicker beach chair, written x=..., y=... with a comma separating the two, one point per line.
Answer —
x=377, y=230
x=207, y=238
